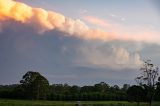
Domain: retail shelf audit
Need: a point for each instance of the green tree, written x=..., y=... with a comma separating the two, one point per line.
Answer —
x=135, y=93
x=101, y=87
x=35, y=85
x=148, y=79
x=75, y=89
x=157, y=93
x=125, y=87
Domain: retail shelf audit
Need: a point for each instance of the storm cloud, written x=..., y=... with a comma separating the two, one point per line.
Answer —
x=44, y=20
x=67, y=50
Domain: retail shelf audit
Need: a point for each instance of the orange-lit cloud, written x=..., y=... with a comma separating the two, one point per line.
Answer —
x=96, y=21
x=48, y=20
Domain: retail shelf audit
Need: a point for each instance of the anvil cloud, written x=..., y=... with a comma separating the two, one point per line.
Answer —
x=96, y=45
x=44, y=20
x=47, y=20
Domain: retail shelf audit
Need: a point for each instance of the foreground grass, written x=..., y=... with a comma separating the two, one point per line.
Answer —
x=68, y=103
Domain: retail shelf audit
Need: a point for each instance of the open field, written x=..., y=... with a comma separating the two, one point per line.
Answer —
x=68, y=103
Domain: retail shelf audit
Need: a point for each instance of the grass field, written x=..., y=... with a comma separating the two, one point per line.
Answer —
x=68, y=103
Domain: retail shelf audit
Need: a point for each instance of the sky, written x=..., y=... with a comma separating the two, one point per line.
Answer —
x=78, y=42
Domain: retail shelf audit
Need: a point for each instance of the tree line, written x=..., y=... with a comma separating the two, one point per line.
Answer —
x=34, y=86
x=60, y=92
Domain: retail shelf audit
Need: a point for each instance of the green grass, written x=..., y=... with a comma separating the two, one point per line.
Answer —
x=68, y=103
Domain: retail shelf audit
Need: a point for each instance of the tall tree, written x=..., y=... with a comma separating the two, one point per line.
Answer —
x=125, y=87
x=101, y=87
x=135, y=93
x=35, y=86
x=157, y=93
x=148, y=78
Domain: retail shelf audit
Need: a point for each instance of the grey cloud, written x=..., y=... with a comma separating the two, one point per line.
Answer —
x=65, y=59
x=108, y=55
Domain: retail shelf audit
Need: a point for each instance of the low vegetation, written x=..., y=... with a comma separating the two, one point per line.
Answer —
x=68, y=103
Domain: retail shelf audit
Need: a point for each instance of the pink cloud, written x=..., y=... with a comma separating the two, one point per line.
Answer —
x=96, y=21
x=44, y=20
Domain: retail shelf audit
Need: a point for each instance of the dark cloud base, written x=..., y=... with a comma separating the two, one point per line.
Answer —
x=23, y=49
x=53, y=54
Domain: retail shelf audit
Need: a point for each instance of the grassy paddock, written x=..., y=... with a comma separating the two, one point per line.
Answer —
x=68, y=103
